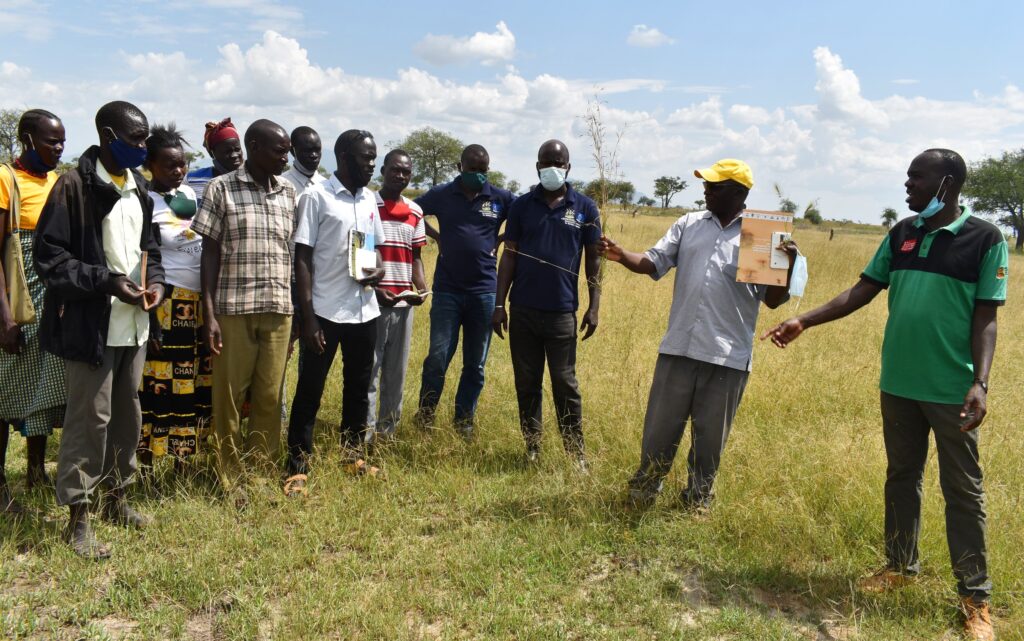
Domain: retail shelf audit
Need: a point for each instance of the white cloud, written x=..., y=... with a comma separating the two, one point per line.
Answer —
x=839, y=92
x=27, y=18
x=843, y=148
x=905, y=81
x=481, y=47
x=643, y=36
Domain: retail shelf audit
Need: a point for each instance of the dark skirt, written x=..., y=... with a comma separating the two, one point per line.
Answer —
x=175, y=391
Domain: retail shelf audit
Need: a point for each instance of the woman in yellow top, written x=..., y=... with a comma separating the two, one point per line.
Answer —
x=31, y=381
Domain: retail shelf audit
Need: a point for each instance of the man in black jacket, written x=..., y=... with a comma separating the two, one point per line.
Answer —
x=96, y=254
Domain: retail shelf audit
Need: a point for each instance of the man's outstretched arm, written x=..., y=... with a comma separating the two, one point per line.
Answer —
x=842, y=305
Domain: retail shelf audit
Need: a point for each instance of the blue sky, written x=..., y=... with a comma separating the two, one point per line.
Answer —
x=831, y=100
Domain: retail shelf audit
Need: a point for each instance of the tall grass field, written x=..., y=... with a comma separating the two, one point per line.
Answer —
x=466, y=541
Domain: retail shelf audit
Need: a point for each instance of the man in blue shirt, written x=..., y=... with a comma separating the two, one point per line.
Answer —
x=548, y=231
x=470, y=212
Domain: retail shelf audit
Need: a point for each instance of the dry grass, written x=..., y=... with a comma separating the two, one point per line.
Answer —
x=466, y=542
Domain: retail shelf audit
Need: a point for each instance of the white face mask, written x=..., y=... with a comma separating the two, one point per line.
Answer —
x=552, y=178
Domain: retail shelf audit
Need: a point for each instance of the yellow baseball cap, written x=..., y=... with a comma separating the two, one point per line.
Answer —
x=728, y=169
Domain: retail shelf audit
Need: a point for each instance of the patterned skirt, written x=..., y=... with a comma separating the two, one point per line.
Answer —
x=32, y=394
x=175, y=390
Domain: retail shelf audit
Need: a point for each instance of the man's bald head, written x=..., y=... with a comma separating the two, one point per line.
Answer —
x=264, y=132
x=553, y=150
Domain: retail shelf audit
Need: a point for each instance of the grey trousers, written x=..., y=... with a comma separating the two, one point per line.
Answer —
x=906, y=424
x=390, y=363
x=101, y=425
x=706, y=394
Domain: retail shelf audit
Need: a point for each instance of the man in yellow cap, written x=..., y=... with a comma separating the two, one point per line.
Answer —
x=705, y=357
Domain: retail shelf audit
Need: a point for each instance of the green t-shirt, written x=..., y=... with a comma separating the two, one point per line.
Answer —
x=935, y=280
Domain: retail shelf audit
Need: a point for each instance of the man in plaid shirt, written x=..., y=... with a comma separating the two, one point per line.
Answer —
x=247, y=219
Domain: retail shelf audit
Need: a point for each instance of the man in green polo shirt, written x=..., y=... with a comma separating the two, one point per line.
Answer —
x=946, y=273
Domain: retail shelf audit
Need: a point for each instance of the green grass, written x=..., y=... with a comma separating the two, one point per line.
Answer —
x=466, y=542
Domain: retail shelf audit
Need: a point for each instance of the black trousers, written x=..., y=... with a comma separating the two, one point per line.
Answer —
x=535, y=336
x=357, y=342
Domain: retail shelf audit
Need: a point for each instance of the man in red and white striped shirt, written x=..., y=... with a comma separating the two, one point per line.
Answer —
x=402, y=288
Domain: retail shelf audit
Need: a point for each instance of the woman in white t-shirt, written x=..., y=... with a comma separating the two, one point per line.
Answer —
x=175, y=394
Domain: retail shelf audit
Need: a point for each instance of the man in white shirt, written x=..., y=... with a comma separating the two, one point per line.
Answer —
x=306, y=150
x=337, y=308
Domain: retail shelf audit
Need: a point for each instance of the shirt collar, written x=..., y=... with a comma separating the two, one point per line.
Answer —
x=570, y=198
x=244, y=175
x=335, y=185
x=455, y=186
x=104, y=175
x=953, y=227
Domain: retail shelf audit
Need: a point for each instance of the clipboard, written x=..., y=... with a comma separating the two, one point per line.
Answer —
x=761, y=232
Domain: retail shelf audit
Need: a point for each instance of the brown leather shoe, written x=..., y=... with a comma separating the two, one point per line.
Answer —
x=977, y=620
x=884, y=580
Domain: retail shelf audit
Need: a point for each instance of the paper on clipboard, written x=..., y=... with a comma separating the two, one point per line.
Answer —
x=361, y=254
x=760, y=233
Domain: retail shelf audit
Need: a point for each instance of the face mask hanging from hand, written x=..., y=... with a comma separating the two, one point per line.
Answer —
x=798, y=281
x=126, y=156
x=552, y=178
x=936, y=205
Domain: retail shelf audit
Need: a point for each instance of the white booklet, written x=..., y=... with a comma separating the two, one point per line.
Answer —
x=361, y=254
x=409, y=294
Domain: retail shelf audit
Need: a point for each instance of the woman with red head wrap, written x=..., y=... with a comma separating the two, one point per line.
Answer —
x=224, y=145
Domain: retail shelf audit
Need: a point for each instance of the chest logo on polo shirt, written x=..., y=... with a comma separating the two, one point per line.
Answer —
x=572, y=218
x=908, y=245
x=490, y=209
x=1000, y=273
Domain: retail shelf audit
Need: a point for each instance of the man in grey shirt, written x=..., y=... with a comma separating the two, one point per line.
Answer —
x=704, y=359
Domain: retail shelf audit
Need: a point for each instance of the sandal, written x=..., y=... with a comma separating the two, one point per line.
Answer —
x=359, y=467
x=296, y=486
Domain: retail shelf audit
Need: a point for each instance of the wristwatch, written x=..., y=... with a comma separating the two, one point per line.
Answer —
x=983, y=384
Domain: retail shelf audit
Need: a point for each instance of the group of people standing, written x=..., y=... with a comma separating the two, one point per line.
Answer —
x=168, y=307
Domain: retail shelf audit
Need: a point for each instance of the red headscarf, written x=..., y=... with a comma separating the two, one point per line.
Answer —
x=217, y=132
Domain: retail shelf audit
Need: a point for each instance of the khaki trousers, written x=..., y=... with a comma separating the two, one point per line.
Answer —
x=252, y=361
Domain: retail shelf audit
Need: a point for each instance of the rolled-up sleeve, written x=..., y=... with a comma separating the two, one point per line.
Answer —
x=665, y=252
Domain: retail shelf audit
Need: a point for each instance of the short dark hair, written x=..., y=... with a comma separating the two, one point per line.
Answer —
x=395, y=153
x=348, y=139
x=260, y=131
x=952, y=165
x=164, y=137
x=474, y=150
x=31, y=119
x=301, y=132
x=118, y=113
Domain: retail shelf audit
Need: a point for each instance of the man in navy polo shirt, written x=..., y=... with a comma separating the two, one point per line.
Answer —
x=470, y=212
x=549, y=230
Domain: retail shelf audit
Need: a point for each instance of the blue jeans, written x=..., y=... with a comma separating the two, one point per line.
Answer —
x=449, y=312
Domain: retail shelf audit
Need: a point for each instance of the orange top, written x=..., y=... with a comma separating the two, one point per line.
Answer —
x=34, y=192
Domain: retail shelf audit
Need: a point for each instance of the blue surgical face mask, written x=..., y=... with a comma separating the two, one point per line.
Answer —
x=126, y=156
x=552, y=178
x=34, y=162
x=936, y=205
x=798, y=281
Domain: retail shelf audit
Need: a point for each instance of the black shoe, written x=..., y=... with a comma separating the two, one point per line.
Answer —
x=117, y=511
x=424, y=418
x=464, y=428
x=80, y=537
